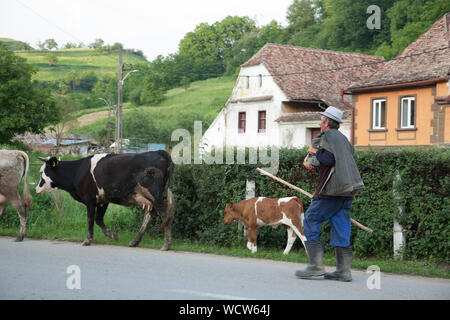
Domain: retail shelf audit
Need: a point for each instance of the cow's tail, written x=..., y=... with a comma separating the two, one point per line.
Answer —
x=26, y=192
x=170, y=207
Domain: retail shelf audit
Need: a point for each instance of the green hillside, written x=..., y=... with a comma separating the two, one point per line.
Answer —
x=12, y=44
x=79, y=60
x=202, y=101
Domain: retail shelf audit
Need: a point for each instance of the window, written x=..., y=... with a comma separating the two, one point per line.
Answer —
x=241, y=122
x=379, y=114
x=247, y=83
x=261, y=121
x=407, y=112
x=260, y=80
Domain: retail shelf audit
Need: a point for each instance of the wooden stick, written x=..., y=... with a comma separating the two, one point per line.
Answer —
x=356, y=223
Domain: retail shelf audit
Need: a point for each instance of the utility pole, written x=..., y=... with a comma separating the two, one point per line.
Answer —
x=119, y=138
x=118, y=132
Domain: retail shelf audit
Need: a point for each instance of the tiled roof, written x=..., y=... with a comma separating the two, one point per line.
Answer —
x=426, y=58
x=292, y=70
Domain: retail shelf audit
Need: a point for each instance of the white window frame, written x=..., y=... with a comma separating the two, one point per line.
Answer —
x=376, y=113
x=410, y=124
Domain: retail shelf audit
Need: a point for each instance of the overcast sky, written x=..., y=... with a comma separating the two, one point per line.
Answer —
x=155, y=27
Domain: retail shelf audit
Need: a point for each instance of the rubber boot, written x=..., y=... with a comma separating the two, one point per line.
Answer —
x=343, y=262
x=315, y=255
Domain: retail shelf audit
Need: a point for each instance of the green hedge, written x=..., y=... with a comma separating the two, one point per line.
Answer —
x=202, y=192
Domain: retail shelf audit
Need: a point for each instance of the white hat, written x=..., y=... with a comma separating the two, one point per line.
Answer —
x=333, y=113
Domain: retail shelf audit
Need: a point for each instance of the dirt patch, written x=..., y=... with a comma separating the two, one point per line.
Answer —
x=87, y=119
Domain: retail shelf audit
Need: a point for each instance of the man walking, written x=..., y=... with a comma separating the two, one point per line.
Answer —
x=339, y=181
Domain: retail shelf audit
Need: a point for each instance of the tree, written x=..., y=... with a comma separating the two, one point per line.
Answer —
x=70, y=45
x=140, y=124
x=88, y=80
x=300, y=15
x=345, y=27
x=211, y=46
x=243, y=50
x=407, y=20
x=200, y=43
x=97, y=44
x=66, y=108
x=410, y=18
x=25, y=104
x=305, y=18
x=273, y=32
x=153, y=88
x=229, y=31
x=50, y=44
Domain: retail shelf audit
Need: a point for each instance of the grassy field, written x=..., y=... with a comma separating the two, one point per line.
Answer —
x=205, y=97
x=201, y=101
x=79, y=60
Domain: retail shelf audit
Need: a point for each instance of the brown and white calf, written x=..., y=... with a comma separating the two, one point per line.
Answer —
x=261, y=211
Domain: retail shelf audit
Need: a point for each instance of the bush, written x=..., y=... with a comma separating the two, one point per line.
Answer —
x=135, y=96
x=88, y=80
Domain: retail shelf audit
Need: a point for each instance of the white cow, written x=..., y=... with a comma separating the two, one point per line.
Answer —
x=14, y=165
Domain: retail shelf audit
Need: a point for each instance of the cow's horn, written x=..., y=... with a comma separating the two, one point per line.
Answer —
x=42, y=159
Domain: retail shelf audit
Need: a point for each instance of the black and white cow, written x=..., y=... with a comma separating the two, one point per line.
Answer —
x=124, y=179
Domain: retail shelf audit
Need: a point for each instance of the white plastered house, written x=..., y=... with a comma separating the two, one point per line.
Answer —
x=279, y=93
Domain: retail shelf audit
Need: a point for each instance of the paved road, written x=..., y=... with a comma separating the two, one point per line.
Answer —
x=35, y=269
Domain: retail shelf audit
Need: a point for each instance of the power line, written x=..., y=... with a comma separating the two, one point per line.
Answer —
x=48, y=21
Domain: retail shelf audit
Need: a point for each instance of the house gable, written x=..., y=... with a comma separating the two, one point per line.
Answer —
x=405, y=103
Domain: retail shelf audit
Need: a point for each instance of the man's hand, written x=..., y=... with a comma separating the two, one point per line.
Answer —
x=312, y=150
